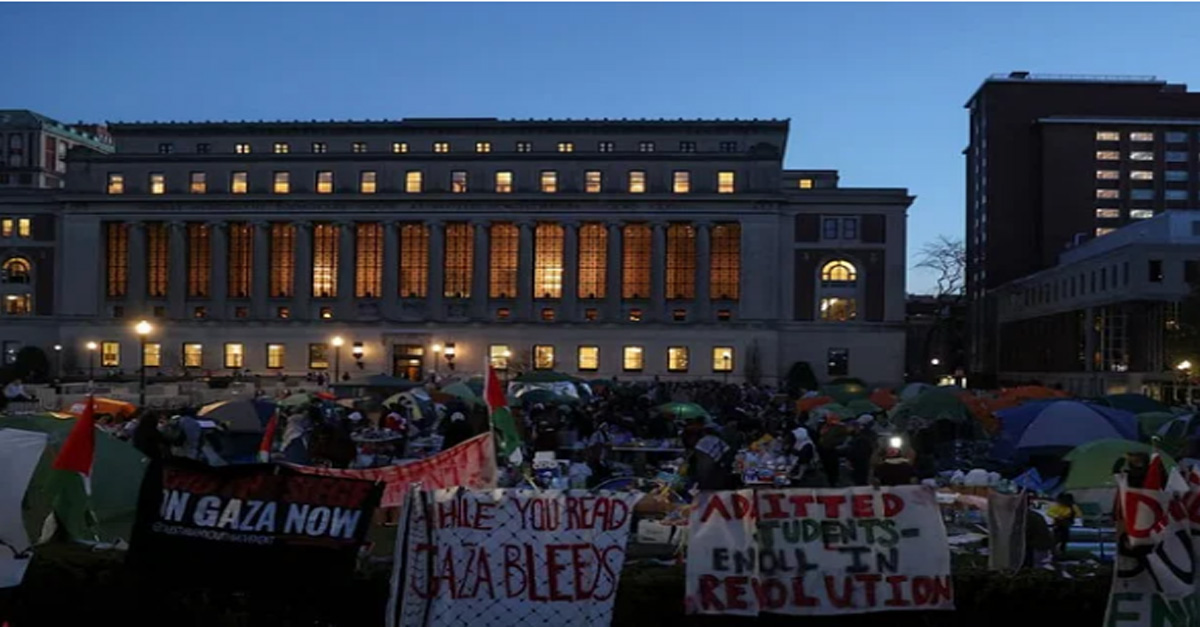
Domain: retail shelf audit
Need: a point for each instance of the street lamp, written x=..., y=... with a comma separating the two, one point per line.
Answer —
x=337, y=343
x=935, y=361
x=449, y=354
x=357, y=351
x=91, y=347
x=143, y=329
x=437, y=353
x=57, y=361
x=1185, y=370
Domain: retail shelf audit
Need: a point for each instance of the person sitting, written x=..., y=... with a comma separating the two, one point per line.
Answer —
x=15, y=391
x=1063, y=512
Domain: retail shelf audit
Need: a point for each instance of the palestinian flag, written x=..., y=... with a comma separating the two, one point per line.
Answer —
x=509, y=442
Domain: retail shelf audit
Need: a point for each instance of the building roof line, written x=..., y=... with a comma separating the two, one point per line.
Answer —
x=1118, y=120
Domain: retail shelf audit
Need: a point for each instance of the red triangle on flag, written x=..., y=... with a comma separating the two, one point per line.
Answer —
x=493, y=393
x=264, y=446
x=79, y=450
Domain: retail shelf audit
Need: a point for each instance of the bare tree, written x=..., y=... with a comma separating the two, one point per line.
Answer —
x=947, y=258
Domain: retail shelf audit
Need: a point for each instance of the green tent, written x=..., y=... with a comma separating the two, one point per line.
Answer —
x=116, y=478
x=1133, y=402
x=844, y=393
x=1092, y=463
x=930, y=406
x=1149, y=423
x=544, y=377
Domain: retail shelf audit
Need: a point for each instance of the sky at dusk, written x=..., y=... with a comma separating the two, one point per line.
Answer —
x=875, y=91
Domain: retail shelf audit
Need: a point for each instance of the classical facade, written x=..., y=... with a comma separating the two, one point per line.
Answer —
x=598, y=248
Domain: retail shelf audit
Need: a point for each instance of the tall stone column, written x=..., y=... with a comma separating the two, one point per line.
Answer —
x=437, y=269
x=177, y=271
x=570, y=276
x=612, y=297
x=302, y=290
x=388, y=300
x=219, y=252
x=479, y=281
x=703, y=267
x=658, y=267
x=346, y=299
x=260, y=274
x=135, y=294
x=525, y=272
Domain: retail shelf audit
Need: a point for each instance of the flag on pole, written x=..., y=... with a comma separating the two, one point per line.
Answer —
x=78, y=452
x=501, y=419
x=264, y=447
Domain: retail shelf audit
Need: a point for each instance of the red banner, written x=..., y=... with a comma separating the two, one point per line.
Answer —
x=471, y=464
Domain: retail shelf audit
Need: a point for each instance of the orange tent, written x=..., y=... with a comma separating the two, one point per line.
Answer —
x=121, y=410
x=883, y=398
x=811, y=403
x=981, y=411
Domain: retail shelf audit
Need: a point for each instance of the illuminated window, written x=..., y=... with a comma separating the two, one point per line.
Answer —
x=318, y=356
x=414, y=260
x=806, y=184
x=635, y=261
x=606, y=147
x=283, y=259
x=591, y=314
x=687, y=146
x=725, y=261
x=200, y=311
x=729, y=147
x=633, y=358
x=412, y=182
x=589, y=358
x=458, y=181
x=18, y=304
x=839, y=273
x=282, y=148
x=1140, y=214
x=549, y=181
x=116, y=183
x=157, y=255
x=524, y=147
x=682, y=183
x=24, y=228
x=368, y=260
x=498, y=356
x=193, y=355
x=1141, y=136
x=152, y=354
x=324, y=260
x=1108, y=212
x=592, y=182
x=503, y=314
x=320, y=147
x=1108, y=174
x=276, y=356
x=441, y=147
x=284, y=312
x=1108, y=194
x=593, y=261
x=681, y=261
x=158, y=183
x=1142, y=175
x=483, y=147
x=399, y=147
x=16, y=270
x=241, y=259
x=197, y=182
x=238, y=182
x=566, y=147
x=116, y=255
x=637, y=181
x=241, y=149
x=1108, y=136
x=677, y=359
x=199, y=259
x=548, y=314
x=235, y=355
x=1103, y=231
x=504, y=181
x=366, y=182
x=1108, y=155
x=110, y=354
x=6, y=228
x=1145, y=155
x=459, y=262
x=679, y=315
x=324, y=182
x=543, y=357
x=503, y=260
x=283, y=183
x=635, y=315
x=645, y=147
x=722, y=359
x=838, y=309
x=725, y=182
x=548, y=261
x=358, y=147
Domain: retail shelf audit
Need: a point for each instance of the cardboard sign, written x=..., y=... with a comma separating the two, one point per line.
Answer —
x=818, y=552
x=250, y=521
x=19, y=454
x=510, y=558
x=470, y=464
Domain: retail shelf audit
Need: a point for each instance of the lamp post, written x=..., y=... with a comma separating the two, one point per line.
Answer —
x=357, y=351
x=449, y=355
x=143, y=329
x=91, y=347
x=1185, y=370
x=437, y=353
x=337, y=343
x=507, y=368
x=57, y=361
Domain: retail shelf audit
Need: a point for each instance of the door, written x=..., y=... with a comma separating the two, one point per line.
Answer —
x=408, y=362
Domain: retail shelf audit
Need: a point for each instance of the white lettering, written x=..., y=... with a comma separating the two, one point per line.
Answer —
x=318, y=521
x=266, y=519
x=344, y=523
x=297, y=514
x=229, y=516
x=174, y=504
x=207, y=511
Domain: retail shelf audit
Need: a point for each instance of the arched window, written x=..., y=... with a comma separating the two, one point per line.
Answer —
x=16, y=270
x=839, y=273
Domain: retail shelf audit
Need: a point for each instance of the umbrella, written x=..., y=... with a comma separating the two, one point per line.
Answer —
x=843, y=393
x=1133, y=402
x=836, y=411
x=119, y=409
x=914, y=390
x=683, y=411
x=1150, y=422
x=462, y=391
x=883, y=398
x=476, y=386
x=862, y=406
x=240, y=415
x=1063, y=425
x=1178, y=432
x=297, y=399
x=1092, y=463
x=544, y=377
x=932, y=405
x=811, y=403
x=543, y=396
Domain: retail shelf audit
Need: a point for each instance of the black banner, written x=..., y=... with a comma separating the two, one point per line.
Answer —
x=249, y=522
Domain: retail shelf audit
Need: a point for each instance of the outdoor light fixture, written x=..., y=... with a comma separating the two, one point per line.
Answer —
x=935, y=361
x=58, y=347
x=895, y=442
x=337, y=343
x=357, y=351
x=1186, y=365
x=143, y=329
x=91, y=347
x=449, y=355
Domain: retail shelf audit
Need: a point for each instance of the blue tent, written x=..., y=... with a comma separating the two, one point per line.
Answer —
x=1051, y=426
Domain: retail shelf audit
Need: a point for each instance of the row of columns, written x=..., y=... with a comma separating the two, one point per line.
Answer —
x=345, y=303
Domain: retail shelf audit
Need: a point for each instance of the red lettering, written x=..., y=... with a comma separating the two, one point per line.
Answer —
x=892, y=504
x=743, y=508
x=1142, y=513
x=424, y=594
x=870, y=580
x=774, y=506
x=531, y=563
x=832, y=504
x=555, y=568
x=608, y=570
x=863, y=506
x=800, y=504
x=922, y=590
x=771, y=593
x=578, y=561
x=799, y=597
x=897, y=598
x=942, y=589
x=714, y=504
x=708, y=593
x=839, y=601
x=514, y=576
x=483, y=515
x=735, y=592
x=574, y=513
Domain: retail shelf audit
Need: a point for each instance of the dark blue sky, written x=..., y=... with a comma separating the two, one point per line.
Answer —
x=873, y=90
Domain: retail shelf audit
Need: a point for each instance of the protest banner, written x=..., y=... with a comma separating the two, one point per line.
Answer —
x=249, y=522
x=1156, y=581
x=19, y=454
x=817, y=552
x=509, y=557
x=470, y=464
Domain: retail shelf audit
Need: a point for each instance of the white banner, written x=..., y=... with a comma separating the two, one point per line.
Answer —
x=818, y=552
x=19, y=454
x=507, y=557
